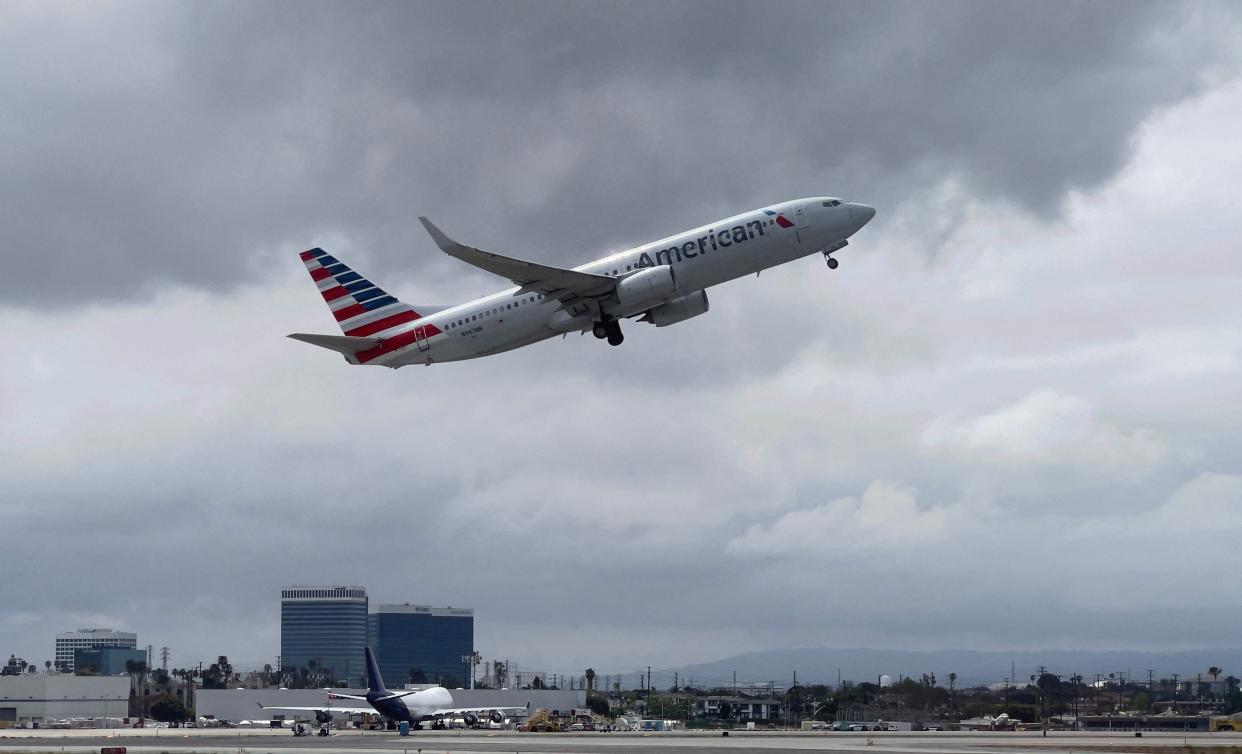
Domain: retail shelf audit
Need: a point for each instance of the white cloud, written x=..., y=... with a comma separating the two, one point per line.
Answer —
x=884, y=518
x=1046, y=429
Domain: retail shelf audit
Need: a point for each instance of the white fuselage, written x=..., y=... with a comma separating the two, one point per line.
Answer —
x=413, y=707
x=427, y=701
x=705, y=256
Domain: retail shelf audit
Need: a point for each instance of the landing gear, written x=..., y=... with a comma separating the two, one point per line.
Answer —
x=832, y=263
x=608, y=328
x=615, y=338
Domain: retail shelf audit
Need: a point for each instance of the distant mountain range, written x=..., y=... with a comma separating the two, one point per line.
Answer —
x=822, y=665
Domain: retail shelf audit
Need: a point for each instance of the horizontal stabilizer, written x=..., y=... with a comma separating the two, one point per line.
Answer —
x=345, y=344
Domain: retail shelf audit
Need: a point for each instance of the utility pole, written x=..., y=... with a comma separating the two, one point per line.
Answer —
x=648, y=680
x=1043, y=717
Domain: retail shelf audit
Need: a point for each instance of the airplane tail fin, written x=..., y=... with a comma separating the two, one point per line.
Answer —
x=361, y=307
x=375, y=681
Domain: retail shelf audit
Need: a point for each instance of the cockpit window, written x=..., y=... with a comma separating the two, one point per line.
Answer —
x=833, y=203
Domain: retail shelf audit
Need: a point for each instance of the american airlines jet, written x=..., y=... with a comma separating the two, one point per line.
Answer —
x=662, y=283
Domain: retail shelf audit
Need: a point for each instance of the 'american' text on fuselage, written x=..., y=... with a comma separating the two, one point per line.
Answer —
x=716, y=240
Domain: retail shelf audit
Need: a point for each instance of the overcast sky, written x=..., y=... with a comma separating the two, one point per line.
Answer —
x=1009, y=419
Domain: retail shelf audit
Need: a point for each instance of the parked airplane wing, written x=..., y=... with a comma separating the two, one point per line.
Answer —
x=557, y=282
x=484, y=711
x=328, y=708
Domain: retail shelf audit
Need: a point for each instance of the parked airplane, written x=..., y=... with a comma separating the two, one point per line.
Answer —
x=431, y=704
x=662, y=283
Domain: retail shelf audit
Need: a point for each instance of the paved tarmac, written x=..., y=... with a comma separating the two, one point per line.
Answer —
x=261, y=741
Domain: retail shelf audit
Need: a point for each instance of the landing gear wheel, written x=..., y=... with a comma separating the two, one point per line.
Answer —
x=832, y=263
x=600, y=330
x=615, y=338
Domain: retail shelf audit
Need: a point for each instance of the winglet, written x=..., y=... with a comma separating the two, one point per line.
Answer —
x=446, y=244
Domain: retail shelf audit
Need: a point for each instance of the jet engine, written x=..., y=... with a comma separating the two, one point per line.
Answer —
x=323, y=717
x=497, y=717
x=471, y=719
x=648, y=284
x=678, y=309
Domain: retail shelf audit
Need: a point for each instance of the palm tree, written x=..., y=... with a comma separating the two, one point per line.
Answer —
x=952, y=693
x=590, y=676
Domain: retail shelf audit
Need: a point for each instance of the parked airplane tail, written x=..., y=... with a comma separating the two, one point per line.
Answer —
x=375, y=682
x=361, y=307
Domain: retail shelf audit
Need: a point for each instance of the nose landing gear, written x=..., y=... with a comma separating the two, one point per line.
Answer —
x=832, y=263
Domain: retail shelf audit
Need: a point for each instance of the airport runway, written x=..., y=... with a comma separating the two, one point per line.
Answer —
x=216, y=741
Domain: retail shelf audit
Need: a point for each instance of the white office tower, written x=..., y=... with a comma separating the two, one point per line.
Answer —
x=86, y=638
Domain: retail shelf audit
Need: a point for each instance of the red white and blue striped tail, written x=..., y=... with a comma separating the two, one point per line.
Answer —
x=361, y=308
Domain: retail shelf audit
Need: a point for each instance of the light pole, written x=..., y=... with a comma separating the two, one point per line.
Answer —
x=470, y=660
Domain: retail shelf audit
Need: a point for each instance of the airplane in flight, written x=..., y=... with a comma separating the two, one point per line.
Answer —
x=429, y=704
x=661, y=283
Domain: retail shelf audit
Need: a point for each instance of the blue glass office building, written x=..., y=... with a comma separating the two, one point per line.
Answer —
x=421, y=644
x=326, y=625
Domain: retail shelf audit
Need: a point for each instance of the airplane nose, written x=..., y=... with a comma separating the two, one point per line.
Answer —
x=860, y=215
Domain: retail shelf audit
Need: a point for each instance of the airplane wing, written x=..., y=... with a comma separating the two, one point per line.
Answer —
x=328, y=708
x=453, y=711
x=553, y=282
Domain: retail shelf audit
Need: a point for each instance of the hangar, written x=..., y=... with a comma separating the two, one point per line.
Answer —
x=36, y=697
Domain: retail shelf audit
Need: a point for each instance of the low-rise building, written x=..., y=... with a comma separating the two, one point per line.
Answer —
x=739, y=707
x=1173, y=723
x=60, y=696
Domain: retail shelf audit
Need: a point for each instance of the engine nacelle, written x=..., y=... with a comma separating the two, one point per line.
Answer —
x=497, y=717
x=678, y=309
x=471, y=719
x=650, y=284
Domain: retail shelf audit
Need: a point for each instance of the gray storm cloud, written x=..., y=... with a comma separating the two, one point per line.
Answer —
x=1034, y=349
x=149, y=144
